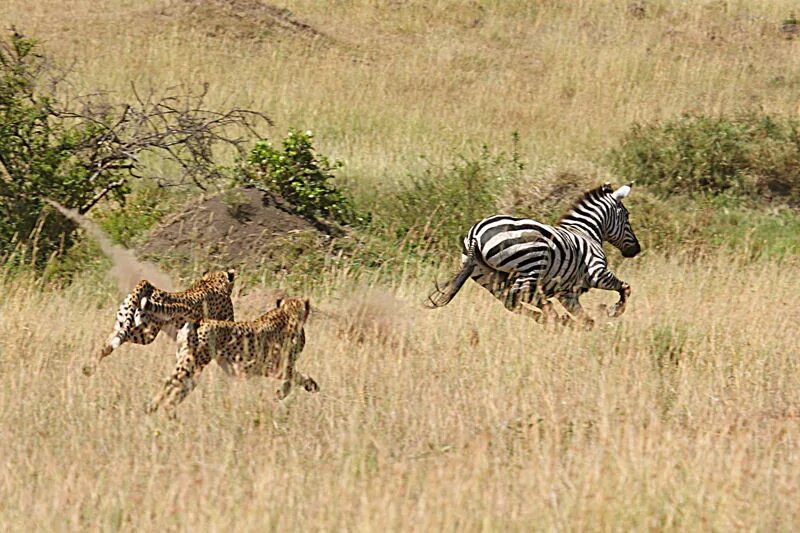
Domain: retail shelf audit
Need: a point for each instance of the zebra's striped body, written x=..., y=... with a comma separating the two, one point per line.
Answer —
x=520, y=260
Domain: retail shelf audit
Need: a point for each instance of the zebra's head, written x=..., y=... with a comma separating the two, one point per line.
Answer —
x=618, y=230
x=601, y=215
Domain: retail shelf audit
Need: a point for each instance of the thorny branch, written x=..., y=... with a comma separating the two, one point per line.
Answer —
x=178, y=126
x=80, y=150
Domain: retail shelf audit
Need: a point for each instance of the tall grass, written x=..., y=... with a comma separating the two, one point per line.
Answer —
x=680, y=415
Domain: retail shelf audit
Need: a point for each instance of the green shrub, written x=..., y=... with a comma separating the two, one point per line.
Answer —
x=668, y=344
x=436, y=208
x=136, y=214
x=755, y=232
x=300, y=175
x=698, y=226
x=744, y=155
x=37, y=156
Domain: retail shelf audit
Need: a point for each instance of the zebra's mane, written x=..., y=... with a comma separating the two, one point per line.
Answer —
x=597, y=191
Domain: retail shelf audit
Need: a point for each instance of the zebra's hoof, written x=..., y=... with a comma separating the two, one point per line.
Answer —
x=616, y=310
x=284, y=390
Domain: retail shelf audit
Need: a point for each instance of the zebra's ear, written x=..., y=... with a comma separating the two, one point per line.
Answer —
x=622, y=192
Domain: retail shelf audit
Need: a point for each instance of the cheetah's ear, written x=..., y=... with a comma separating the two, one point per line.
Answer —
x=279, y=302
x=231, y=274
x=308, y=306
x=622, y=192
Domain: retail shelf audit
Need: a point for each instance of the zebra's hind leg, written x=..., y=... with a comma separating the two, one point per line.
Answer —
x=523, y=297
x=541, y=310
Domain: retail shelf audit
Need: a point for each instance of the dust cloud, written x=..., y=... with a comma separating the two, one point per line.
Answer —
x=127, y=269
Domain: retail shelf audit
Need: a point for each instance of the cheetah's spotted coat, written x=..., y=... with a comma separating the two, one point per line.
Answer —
x=208, y=297
x=266, y=346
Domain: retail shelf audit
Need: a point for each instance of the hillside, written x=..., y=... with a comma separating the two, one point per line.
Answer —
x=382, y=83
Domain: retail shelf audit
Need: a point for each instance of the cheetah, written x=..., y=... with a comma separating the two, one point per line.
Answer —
x=267, y=346
x=210, y=296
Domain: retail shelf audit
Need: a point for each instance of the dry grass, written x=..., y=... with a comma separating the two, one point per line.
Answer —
x=681, y=415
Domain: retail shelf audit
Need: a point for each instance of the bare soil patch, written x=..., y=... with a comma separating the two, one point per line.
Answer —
x=239, y=227
x=240, y=19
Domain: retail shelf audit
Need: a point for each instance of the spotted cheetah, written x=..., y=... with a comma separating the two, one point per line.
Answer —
x=210, y=296
x=267, y=346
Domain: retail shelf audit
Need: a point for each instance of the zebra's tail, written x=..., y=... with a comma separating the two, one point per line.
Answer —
x=441, y=296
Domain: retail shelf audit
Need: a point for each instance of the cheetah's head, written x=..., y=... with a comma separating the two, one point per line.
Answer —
x=297, y=308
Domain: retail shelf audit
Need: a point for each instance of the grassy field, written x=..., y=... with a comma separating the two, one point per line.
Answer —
x=381, y=83
x=684, y=414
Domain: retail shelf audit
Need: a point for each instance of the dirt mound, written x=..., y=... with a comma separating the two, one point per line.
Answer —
x=241, y=19
x=239, y=227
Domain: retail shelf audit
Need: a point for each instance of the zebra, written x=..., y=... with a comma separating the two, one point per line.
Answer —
x=522, y=261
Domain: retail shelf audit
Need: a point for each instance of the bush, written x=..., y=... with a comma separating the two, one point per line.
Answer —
x=36, y=155
x=437, y=207
x=300, y=175
x=81, y=150
x=745, y=155
x=142, y=209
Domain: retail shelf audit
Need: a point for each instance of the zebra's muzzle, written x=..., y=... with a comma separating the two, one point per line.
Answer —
x=631, y=251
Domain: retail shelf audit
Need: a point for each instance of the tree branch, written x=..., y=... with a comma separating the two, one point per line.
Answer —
x=101, y=194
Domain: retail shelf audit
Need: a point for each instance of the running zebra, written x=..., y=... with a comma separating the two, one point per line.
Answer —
x=521, y=261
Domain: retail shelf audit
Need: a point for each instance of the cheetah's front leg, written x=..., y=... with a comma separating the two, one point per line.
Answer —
x=144, y=334
x=293, y=377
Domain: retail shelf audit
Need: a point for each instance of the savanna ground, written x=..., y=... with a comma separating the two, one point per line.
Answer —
x=682, y=414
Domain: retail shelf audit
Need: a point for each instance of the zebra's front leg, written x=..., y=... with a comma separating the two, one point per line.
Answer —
x=618, y=308
x=606, y=280
x=572, y=304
